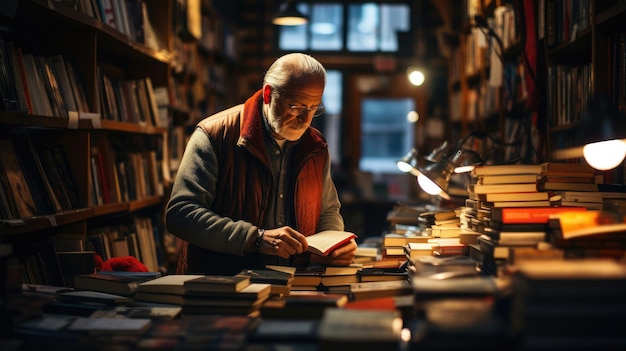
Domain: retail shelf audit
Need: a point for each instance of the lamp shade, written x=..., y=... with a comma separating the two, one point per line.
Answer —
x=465, y=160
x=601, y=133
x=435, y=177
x=409, y=162
x=438, y=153
x=288, y=15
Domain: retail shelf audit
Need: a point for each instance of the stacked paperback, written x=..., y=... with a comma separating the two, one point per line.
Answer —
x=205, y=294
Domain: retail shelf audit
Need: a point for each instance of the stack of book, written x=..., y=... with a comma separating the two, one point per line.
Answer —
x=393, y=243
x=205, y=294
x=324, y=278
x=446, y=224
x=280, y=278
x=302, y=304
x=593, y=233
x=224, y=295
x=570, y=303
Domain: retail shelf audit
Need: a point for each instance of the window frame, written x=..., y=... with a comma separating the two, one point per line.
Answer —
x=405, y=43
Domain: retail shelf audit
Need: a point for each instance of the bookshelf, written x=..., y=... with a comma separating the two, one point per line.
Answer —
x=486, y=81
x=94, y=128
x=584, y=55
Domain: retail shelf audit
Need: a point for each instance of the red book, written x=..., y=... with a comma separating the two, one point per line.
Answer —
x=533, y=215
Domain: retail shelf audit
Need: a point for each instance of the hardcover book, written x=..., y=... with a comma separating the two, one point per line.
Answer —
x=540, y=215
x=107, y=283
x=217, y=283
x=168, y=284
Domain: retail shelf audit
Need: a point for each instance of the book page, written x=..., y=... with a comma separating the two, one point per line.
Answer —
x=324, y=242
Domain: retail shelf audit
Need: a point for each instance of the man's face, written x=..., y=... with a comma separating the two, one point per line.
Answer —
x=291, y=123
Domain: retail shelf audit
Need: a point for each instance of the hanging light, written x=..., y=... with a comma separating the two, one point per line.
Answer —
x=288, y=15
x=602, y=134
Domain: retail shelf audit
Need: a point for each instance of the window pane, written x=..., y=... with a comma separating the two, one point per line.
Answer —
x=386, y=133
x=363, y=27
x=394, y=19
x=326, y=27
x=294, y=37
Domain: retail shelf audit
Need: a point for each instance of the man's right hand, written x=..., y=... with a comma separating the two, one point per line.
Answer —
x=283, y=242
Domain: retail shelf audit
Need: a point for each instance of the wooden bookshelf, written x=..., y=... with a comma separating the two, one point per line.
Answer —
x=78, y=123
x=582, y=56
x=484, y=56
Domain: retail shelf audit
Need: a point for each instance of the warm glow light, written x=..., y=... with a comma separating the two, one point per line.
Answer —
x=289, y=21
x=412, y=116
x=404, y=167
x=416, y=77
x=605, y=155
x=428, y=185
x=464, y=169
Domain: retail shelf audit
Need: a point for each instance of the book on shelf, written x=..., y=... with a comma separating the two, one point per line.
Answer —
x=217, y=283
x=16, y=188
x=324, y=242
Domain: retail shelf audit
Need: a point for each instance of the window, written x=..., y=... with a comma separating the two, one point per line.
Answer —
x=386, y=133
x=346, y=26
x=330, y=122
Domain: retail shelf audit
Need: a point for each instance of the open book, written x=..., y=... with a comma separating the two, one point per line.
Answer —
x=326, y=241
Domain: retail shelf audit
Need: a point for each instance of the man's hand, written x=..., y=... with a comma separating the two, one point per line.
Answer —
x=283, y=242
x=342, y=256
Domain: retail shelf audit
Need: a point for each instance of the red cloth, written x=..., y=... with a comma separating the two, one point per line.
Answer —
x=126, y=264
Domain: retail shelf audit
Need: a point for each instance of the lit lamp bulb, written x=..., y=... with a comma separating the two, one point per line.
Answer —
x=605, y=155
x=428, y=185
x=416, y=77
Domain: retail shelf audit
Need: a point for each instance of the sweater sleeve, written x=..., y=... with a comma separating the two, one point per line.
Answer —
x=188, y=214
x=330, y=218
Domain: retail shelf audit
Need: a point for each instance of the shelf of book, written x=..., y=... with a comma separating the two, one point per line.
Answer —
x=80, y=124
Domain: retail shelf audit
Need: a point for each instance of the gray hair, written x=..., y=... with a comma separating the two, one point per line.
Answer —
x=294, y=69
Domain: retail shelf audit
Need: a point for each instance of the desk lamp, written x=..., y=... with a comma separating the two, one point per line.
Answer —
x=409, y=163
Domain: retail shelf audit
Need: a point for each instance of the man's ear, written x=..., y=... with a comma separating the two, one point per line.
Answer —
x=267, y=93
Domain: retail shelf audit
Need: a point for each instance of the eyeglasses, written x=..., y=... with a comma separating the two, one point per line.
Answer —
x=300, y=110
